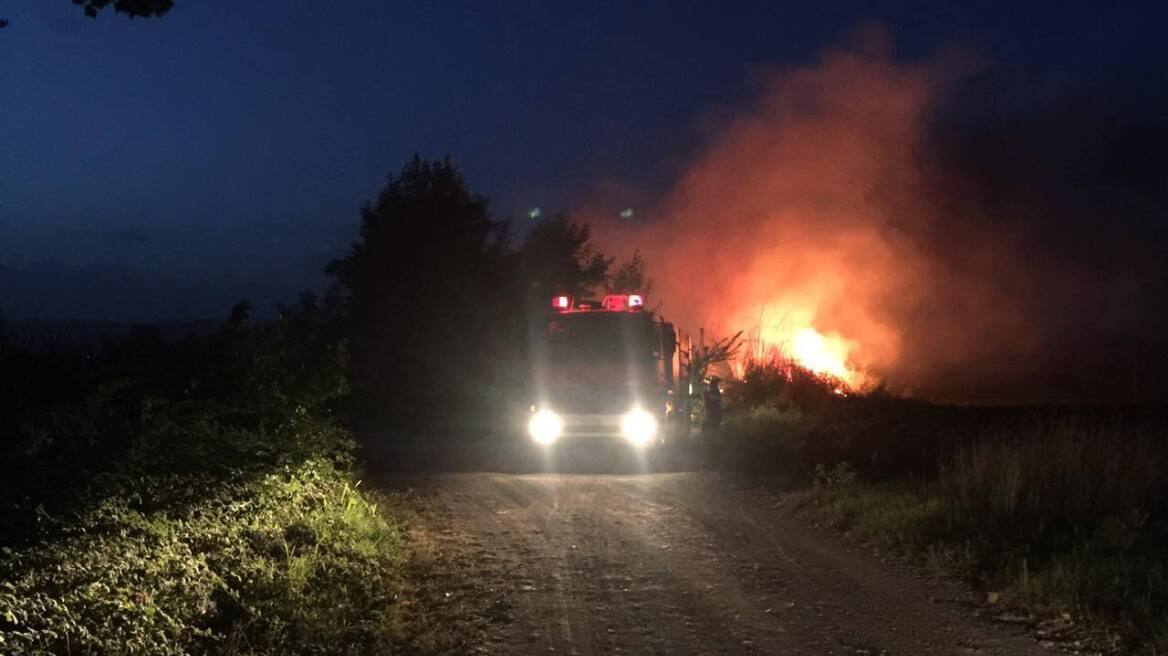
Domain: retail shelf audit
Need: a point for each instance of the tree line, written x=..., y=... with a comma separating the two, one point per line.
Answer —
x=438, y=299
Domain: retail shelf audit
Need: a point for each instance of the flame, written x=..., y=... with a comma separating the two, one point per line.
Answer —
x=786, y=329
x=828, y=354
x=821, y=354
x=794, y=225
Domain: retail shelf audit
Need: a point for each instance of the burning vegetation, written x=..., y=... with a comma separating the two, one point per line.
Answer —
x=786, y=228
x=828, y=223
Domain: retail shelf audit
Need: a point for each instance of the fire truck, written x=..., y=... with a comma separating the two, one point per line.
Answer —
x=604, y=369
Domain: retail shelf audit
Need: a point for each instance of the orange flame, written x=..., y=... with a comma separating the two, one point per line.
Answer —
x=793, y=225
x=829, y=354
x=823, y=355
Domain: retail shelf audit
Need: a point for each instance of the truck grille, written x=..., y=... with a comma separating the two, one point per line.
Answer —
x=593, y=401
x=594, y=425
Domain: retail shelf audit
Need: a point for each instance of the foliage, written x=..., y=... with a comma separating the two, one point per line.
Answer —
x=245, y=397
x=195, y=498
x=630, y=276
x=1052, y=509
x=1069, y=515
x=841, y=475
x=765, y=422
x=131, y=8
x=1057, y=479
x=557, y=258
x=880, y=435
x=700, y=358
x=422, y=288
x=783, y=382
x=706, y=354
x=292, y=562
x=441, y=307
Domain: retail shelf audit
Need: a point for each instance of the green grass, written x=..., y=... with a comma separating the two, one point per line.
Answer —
x=1066, y=516
x=196, y=498
x=297, y=561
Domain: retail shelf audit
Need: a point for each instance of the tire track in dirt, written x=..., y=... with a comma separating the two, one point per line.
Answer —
x=678, y=564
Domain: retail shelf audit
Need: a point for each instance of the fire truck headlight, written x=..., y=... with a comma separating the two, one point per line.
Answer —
x=639, y=427
x=545, y=426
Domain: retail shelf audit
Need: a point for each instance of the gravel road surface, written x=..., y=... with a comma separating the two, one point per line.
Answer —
x=678, y=563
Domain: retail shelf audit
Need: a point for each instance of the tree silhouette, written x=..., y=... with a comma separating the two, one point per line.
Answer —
x=423, y=288
x=439, y=307
x=557, y=258
x=131, y=8
x=630, y=277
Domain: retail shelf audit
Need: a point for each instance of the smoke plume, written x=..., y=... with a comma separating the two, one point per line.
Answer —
x=828, y=222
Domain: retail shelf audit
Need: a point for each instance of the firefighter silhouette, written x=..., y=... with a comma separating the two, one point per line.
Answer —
x=713, y=400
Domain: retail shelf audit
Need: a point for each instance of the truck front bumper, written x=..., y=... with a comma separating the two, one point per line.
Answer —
x=637, y=427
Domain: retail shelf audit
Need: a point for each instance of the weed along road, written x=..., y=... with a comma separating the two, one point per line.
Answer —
x=677, y=563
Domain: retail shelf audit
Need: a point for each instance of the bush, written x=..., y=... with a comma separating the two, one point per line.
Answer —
x=196, y=498
x=812, y=414
x=293, y=562
x=766, y=423
x=1069, y=514
x=783, y=382
x=1061, y=479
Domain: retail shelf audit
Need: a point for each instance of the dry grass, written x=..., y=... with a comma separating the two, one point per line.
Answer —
x=1061, y=516
x=1063, y=477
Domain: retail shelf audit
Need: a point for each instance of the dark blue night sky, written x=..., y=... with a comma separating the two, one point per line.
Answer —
x=164, y=168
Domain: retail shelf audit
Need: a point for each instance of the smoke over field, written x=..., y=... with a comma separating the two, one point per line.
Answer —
x=827, y=221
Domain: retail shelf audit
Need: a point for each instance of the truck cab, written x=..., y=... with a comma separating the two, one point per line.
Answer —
x=603, y=370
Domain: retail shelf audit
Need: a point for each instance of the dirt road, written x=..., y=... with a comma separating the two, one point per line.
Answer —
x=689, y=563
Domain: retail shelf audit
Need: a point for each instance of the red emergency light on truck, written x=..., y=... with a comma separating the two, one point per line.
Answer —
x=603, y=369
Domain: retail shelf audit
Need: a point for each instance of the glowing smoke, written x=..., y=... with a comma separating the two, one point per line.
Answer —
x=788, y=226
x=827, y=221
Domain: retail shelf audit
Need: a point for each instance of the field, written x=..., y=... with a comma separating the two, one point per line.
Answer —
x=1050, y=511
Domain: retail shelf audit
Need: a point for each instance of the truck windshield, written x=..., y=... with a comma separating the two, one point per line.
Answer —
x=601, y=338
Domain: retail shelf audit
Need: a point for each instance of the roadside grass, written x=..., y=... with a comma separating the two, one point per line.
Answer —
x=196, y=498
x=1062, y=516
x=297, y=561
